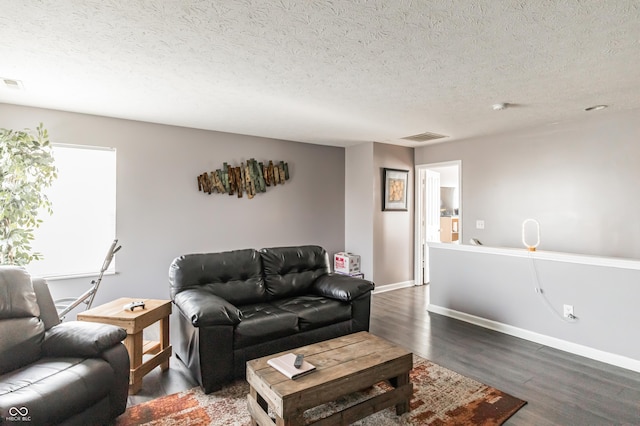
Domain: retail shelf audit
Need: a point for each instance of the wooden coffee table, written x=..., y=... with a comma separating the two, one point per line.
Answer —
x=344, y=365
x=134, y=322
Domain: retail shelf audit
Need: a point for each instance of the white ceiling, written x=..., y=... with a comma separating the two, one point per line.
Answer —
x=336, y=72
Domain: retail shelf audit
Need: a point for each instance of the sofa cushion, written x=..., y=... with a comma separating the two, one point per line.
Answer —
x=17, y=298
x=263, y=322
x=315, y=311
x=235, y=276
x=54, y=389
x=21, y=330
x=290, y=271
x=20, y=342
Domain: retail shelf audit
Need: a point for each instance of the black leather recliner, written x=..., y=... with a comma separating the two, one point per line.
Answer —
x=244, y=304
x=71, y=373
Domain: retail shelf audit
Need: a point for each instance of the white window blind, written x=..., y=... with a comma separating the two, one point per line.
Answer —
x=75, y=239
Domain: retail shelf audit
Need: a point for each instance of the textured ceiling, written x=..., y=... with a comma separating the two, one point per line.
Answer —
x=335, y=72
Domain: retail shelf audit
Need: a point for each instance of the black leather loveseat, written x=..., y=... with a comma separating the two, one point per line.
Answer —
x=71, y=373
x=239, y=305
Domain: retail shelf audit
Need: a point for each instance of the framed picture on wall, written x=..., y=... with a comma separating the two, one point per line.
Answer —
x=394, y=190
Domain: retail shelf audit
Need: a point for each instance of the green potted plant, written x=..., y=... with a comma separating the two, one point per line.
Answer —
x=26, y=170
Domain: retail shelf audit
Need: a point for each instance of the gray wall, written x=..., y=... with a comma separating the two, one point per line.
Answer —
x=359, y=205
x=161, y=214
x=579, y=180
x=393, y=230
x=501, y=287
x=384, y=240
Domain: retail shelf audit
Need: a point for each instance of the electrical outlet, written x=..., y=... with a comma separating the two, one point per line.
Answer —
x=479, y=224
x=568, y=311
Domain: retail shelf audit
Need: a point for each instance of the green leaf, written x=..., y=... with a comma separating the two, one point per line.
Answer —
x=27, y=168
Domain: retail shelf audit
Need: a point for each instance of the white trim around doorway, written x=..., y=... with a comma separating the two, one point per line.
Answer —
x=420, y=183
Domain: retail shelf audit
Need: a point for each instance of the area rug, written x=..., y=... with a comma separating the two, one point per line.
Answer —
x=440, y=397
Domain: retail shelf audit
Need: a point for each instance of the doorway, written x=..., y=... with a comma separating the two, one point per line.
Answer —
x=438, y=212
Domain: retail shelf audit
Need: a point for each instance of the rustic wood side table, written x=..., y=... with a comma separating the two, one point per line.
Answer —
x=134, y=322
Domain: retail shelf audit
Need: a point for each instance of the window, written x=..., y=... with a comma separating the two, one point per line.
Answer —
x=75, y=239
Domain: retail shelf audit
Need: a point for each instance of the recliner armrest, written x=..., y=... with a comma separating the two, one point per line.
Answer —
x=341, y=287
x=78, y=338
x=203, y=308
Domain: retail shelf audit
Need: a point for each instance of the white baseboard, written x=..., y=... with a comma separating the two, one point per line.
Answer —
x=574, y=348
x=395, y=286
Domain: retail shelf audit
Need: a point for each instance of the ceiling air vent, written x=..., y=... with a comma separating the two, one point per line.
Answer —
x=423, y=137
x=12, y=84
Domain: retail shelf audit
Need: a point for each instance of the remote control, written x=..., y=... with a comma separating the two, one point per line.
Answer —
x=298, y=362
x=131, y=306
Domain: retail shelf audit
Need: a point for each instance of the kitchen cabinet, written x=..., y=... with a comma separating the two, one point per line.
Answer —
x=449, y=229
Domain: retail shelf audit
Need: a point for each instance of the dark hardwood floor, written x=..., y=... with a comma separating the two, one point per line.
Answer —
x=560, y=388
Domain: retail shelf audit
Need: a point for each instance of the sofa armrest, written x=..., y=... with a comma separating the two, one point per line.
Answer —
x=78, y=338
x=341, y=287
x=204, y=309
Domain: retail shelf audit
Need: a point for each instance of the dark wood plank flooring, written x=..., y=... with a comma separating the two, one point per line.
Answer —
x=560, y=388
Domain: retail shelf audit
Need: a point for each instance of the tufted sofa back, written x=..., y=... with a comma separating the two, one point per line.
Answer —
x=290, y=271
x=21, y=330
x=235, y=276
x=248, y=276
